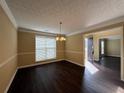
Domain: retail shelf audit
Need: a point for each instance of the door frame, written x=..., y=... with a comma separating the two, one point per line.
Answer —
x=122, y=49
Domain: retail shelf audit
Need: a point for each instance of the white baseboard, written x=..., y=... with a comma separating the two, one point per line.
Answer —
x=75, y=63
x=114, y=55
x=40, y=63
x=8, y=86
x=12, y=78
x=36, y=64
x=10, y=82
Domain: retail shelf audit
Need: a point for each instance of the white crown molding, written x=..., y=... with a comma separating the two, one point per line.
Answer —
x=8, y=12
x=100, y=25
x=36, y=32
x=76, y=52
x=96, y=26
x=74, y=33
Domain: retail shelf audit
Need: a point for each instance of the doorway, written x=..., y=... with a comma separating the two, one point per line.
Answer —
x=102, y=47
x=90, y=49
x=99, y=47
x=110, y=52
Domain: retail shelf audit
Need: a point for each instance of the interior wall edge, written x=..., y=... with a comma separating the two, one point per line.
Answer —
x=8, y=48
x=110, y=26
x=122, y=55
x=8, y=12
x=75, y=63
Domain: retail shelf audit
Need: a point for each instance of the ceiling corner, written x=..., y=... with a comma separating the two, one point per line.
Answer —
x=8, y=12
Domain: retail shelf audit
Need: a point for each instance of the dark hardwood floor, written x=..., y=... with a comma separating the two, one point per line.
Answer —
x=65, y=77
x=111, y=62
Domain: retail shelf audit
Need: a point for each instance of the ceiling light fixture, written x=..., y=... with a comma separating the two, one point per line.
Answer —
x=60, y=37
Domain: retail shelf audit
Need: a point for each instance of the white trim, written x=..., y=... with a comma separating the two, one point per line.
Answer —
x=122, y=56
x=77, y=52
x=26, y=53
x=7, y=61
x=8, y=12
x=8, y=86
x=10, y=82
x=12, y=78
x=99, y=25
x=48, y=62
x=114, y=55
x=30, y=53
x=36, y=64
x=36, y=32
x=74, y=33
x=60, y=51
x=74, y=63
x=112, y=37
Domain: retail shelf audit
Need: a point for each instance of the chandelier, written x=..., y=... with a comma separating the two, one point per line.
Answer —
x=60, y=37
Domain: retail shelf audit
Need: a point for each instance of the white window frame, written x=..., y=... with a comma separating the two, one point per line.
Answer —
x=102, y=47
x=46, y=48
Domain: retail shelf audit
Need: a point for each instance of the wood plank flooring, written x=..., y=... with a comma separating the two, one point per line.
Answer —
x=111, y=62
x=65, y=77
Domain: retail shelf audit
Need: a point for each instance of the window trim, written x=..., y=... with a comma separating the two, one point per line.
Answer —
x=55, y=49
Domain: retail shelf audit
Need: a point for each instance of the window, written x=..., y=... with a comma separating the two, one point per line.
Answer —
x=45, y=48
x=102, y=47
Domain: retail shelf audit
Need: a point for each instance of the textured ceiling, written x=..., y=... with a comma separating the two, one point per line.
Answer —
x=45, y=15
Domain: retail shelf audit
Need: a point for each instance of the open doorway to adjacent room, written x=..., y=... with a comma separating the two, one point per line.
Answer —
x=110, y=52
x=104, y=52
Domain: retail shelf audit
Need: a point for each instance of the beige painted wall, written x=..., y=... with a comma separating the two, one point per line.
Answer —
x=113, y=47
x=75, y=44
x=8, y=50
x=74, y=48
x=26, y=48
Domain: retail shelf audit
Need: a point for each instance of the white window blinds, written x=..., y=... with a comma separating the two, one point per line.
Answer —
x=45, y=48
